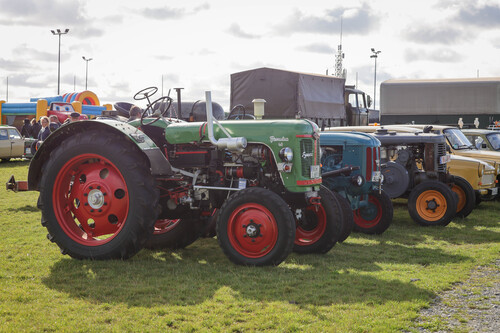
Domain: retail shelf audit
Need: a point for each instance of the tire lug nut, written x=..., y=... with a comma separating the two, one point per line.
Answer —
x=244, y=225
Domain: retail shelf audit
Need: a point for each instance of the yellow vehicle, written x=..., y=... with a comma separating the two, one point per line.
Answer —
x=479, y=174
x=483, y=139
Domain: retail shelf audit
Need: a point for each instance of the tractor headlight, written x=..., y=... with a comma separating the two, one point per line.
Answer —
x=357, y=180
x=286, y=154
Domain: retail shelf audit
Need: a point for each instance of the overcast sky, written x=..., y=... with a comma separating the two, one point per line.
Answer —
x=198, y=44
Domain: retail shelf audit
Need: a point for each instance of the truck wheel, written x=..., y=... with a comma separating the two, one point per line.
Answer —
x=432, y=203
x=97, y=197
x=174, y=234
x=376, y=217
x=319, y=227
x=255, y=227
x=347, y=217
x=466, y=197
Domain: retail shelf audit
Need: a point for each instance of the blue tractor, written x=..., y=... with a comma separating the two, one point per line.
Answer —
x=351, y=169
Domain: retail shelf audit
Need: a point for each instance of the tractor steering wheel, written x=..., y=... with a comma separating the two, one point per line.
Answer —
x=145, y=93
x=236, y=113
x=160, y=112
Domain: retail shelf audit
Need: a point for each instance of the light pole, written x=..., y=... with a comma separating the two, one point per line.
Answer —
x=59, y=33
x=375, y=56
x=86, y=69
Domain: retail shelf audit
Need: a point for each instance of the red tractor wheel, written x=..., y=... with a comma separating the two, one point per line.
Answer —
x=255, y=227
x=97, y=198
x=319, y=226
x=375, y=217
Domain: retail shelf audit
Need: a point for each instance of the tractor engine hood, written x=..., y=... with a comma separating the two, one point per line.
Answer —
x=269, y=132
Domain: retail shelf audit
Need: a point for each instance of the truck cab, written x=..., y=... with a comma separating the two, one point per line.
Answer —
x=356, y=106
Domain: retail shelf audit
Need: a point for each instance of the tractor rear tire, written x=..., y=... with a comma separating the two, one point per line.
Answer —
x=174, y=234
x=320, y=226
x=432, y=203
x=97, y=196
x=255, y=227
x=466, y=197
x=377, y=216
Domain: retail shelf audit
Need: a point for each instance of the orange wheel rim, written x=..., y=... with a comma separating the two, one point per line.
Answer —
x=461, y=197
x=431, y=205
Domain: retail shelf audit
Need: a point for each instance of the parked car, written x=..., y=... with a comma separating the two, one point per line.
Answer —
x=12, y=144
x=483, y=139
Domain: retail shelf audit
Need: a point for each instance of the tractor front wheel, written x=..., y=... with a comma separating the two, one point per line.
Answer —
x=255, y=227
x=375, y=217
x=432, y=203
x=466, y=197
x=319, y=226
x=98, y=199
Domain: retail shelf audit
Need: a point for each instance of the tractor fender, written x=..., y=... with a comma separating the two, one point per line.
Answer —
x=157, y=162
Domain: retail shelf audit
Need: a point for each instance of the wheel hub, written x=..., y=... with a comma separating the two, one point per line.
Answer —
x=432, y=205
x=95, y=199
x=252, y=230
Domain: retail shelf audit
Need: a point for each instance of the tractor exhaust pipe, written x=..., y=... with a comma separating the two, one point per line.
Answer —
x=230, y=143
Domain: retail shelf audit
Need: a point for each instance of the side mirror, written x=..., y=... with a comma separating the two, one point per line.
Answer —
x=484, y=145
x=368, y=100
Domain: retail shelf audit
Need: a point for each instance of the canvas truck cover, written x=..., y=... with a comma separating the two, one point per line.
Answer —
x=444, y=97
x=289, y=94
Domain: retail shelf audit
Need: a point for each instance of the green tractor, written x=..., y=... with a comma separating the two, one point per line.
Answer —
x=108, y=188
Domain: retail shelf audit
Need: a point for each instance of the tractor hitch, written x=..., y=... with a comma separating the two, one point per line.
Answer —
x=16, y=186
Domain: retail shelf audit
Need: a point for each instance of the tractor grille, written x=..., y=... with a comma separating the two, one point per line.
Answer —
x=441, y=151
x=307, y=156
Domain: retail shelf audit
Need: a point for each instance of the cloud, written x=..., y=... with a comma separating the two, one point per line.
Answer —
x=66, y=13
x=39, y=13
x=439, y=55
x=23, y=51
x=480, y=16
x=236, y=31
x=317, y=48
x=434, y=34
x=162, y=13
x=355, y=21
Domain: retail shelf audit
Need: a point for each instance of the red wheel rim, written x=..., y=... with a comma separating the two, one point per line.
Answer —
x=370, y=216
x=165, y=225
x=90, y=199
x=310, y=236
x=252, y=230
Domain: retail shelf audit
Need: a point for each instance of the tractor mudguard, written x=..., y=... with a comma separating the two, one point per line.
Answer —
x=157, y=161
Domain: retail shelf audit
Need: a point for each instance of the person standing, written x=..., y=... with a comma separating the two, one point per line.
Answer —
x=44, y=131
x=35, y=128
x=26, y=129
x=54, y=123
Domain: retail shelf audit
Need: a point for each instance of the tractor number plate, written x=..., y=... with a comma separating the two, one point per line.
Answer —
x=315, y=171
x=494, y=191
x=27, y=150
x=376, y=176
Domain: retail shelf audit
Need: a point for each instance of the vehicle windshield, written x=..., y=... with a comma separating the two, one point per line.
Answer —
x=457, y=139
x=494, y=139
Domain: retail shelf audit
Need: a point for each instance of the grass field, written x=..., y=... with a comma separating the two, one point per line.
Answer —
x=366, y=284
